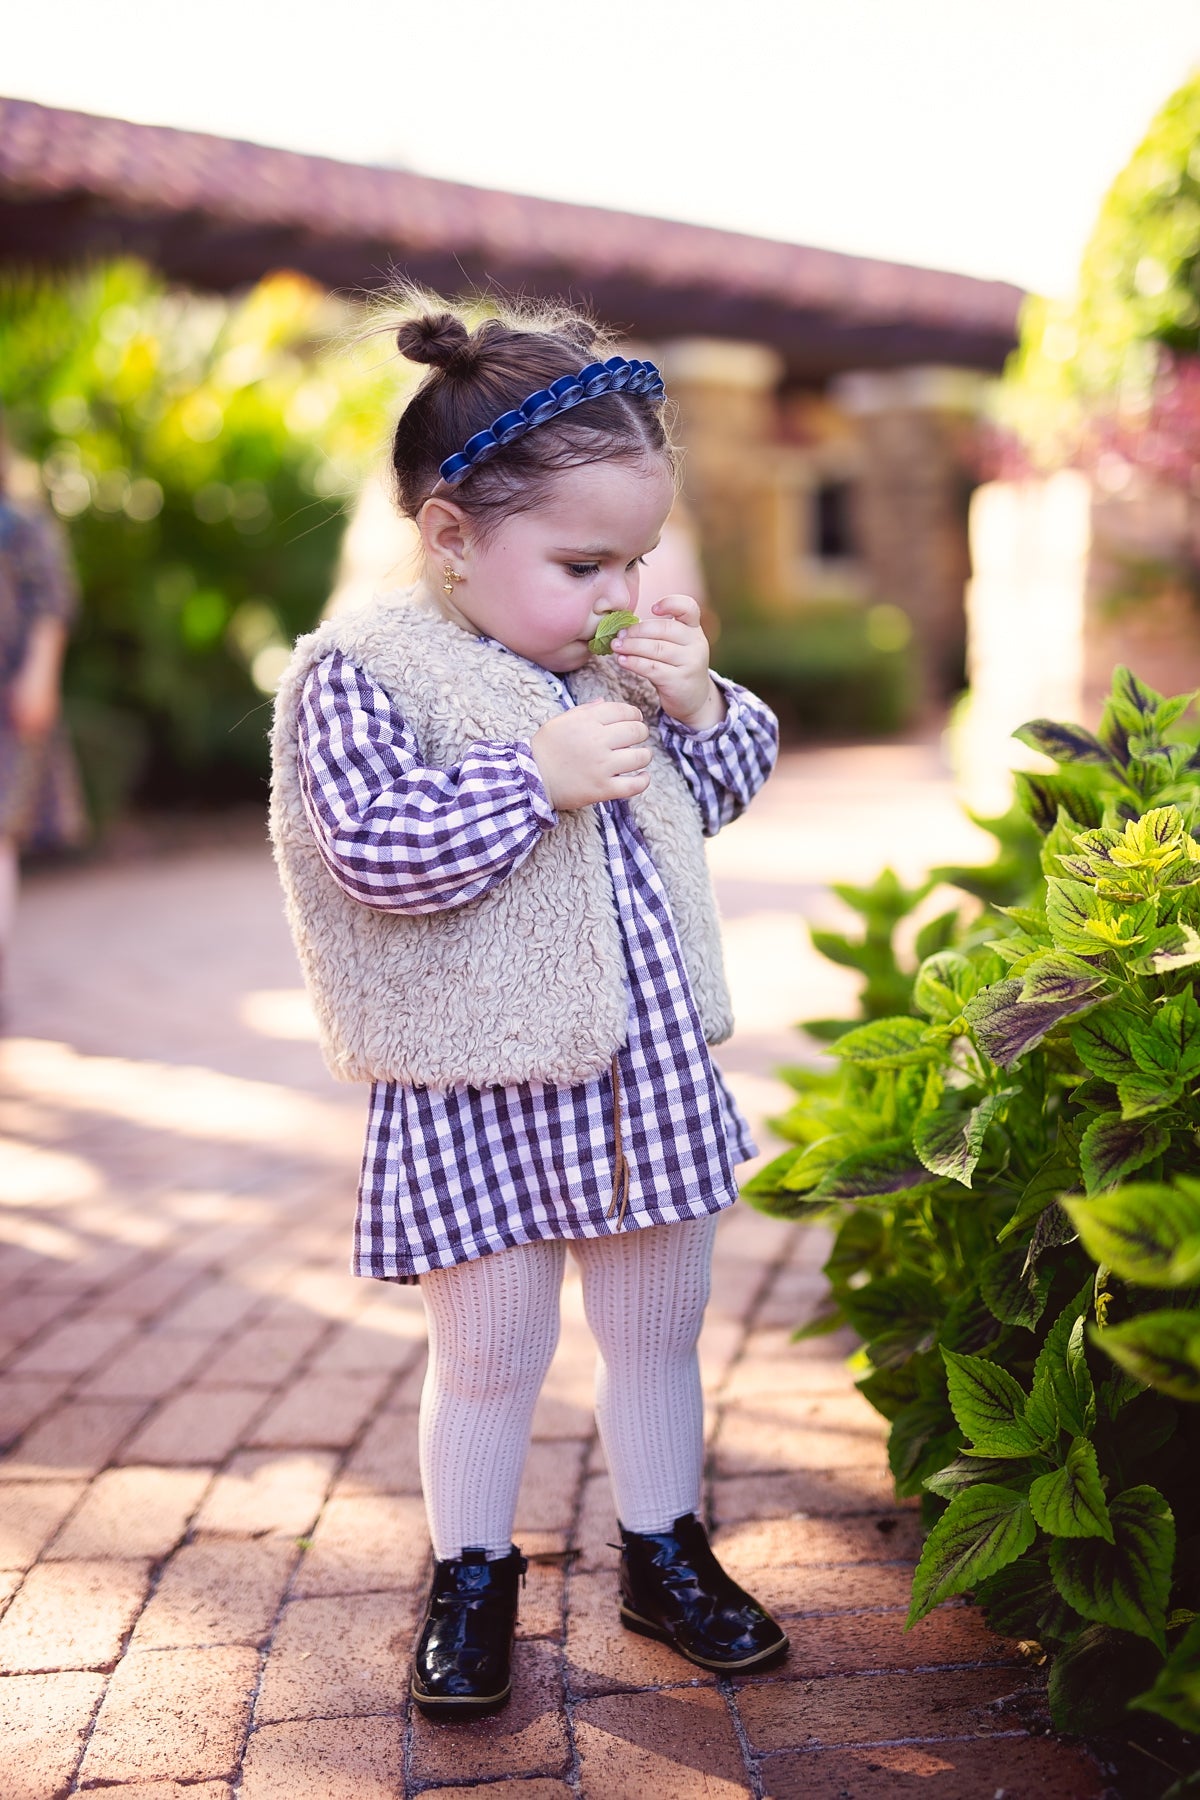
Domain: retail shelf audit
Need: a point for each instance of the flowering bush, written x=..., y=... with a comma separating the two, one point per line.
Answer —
x=1010, y=1161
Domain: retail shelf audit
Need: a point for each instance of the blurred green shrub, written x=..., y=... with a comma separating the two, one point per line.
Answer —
x=1136, y=311
x=829, y=670
x=200, y=451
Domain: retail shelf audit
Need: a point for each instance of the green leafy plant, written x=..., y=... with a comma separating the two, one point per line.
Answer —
x=606, y=631
x=200, y=452
x=1010, y=1166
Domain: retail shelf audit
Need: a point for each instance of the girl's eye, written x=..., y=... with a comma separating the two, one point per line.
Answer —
x=582, y=570
x=639, y=562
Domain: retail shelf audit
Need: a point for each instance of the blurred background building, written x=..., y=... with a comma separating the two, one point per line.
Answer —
x=827, y=402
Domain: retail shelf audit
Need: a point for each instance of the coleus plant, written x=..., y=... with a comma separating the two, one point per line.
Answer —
x=1011, y=1166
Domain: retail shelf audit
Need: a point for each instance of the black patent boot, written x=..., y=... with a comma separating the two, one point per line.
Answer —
x=464, y=1652
x=674, y=1589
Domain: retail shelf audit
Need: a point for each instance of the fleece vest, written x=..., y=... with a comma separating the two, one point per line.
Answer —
x=526, y=982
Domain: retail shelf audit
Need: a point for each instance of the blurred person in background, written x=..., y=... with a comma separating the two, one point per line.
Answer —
x=40, y=806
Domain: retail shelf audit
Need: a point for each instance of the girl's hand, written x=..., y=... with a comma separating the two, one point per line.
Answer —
x=593, y=752
x=33, y=694
x=671, y=651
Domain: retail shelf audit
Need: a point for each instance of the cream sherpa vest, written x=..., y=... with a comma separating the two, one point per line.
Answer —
x=526, y=982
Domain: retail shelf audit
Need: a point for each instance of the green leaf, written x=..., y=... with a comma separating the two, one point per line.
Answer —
x=1065, y=743
x=904, y=1302
x=606, y=631
x=770, y=1178
x=1142, y=1094
x=816, y=1159
x=858, y=1243
x=921, y=1438
x=1063, y=1398
x=1006, y=1026
x=1160, y=1348
x=982, y=1530
x=1021, y=1601
x=1112, y=1147
x=1072, y=908
x=884, y=1044
x=1125, y=1582
x=1147, y=1233
x=967, y=1471
x=950, y=1140
x=1171, y=1046
x=1070, y=1502
x=1012, y=1293
x=1134, y=699
x=887, y=1169
x=1175, y=1694
x=1055, y=1177
x=944, y=984
x=937, y=935
x=1092, y=1679
x=1101, y=1042
x=989, y=1406
x=1058, y=976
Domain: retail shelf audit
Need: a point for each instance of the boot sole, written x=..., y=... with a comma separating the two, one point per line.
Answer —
x=459, y=1706
x=647, y=1628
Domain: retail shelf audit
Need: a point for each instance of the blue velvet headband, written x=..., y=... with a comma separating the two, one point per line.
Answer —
x=597, y=378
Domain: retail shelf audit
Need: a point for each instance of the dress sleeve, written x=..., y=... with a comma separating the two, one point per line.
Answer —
x=727, y=763
x=45, y=577
x=394, y=833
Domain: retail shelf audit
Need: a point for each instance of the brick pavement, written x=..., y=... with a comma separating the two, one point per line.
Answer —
x=212, y=1544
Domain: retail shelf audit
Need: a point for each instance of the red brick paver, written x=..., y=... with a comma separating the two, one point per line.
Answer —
x=212, y=1545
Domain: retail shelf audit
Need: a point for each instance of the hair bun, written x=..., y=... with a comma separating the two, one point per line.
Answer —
x=440, y=339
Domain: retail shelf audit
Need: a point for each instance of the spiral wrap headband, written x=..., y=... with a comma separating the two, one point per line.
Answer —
x=610, y=377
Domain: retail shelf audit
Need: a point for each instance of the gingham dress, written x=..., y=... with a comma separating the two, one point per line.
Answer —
x=453, y=1174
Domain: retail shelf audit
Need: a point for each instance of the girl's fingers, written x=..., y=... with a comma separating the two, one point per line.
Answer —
x=678, y=606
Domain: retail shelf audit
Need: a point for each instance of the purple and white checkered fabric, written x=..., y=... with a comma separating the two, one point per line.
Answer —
x=453, y=1174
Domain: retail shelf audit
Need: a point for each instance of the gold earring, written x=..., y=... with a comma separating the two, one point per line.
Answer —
x=449, y=578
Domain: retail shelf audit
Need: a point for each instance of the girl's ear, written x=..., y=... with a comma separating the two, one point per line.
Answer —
x=444, y=533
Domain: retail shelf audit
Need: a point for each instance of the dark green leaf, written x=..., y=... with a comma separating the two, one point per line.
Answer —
x=1043, y=798
x=889, y=1391
x=1070, y=1502
x=966, y=1471
x=888, y=1168
x=1160, y=1348
x=921, y=1438
x=950, y=1140
x=1064, y=743
x=1175, y=1694
x=1056, y=1176
x=989, y=1406
x=1147, y=1233
x=1127, y=1581
x=1112, y=1147
x=858, y=1242
x=884, y=1044
x=1017, y=1599
x=1015, y=1295
x=1063, y=1398
x=890, y=1302
x=1092, y=1679
x=983, y=1529
x=606, y=631
x=1101, y=1042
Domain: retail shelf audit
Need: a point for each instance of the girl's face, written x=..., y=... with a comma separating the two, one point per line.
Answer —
x=542, y=581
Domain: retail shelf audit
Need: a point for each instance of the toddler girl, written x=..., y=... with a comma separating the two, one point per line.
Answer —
x=491, y=844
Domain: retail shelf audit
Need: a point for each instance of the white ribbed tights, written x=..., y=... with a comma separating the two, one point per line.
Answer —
x=493, y=1326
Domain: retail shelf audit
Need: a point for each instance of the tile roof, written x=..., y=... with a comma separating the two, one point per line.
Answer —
x=346, y=221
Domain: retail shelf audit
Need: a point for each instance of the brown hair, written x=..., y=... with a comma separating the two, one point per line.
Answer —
x=475, y=375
